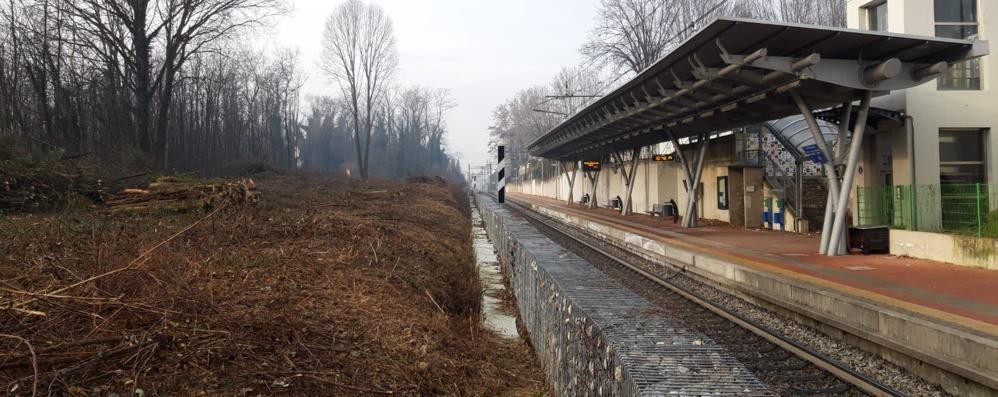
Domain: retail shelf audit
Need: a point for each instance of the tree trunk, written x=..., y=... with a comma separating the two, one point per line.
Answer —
x=356, y=133
x=143, y=78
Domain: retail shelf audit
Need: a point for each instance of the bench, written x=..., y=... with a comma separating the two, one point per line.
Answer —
x=663, y=210
x=656, y=209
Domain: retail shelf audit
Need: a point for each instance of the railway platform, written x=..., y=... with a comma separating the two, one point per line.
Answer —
x=911, y=311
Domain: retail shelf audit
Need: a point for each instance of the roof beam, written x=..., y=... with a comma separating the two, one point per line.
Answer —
x=926, y=72
x=750, y=84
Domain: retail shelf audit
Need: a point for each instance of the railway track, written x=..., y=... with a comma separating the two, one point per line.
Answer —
x=789, y=368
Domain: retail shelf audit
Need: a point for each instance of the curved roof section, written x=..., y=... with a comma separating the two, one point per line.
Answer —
x=795, y=131
x=877, y=119
x=737, y=72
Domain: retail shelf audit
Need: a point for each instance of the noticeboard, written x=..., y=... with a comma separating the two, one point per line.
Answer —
x=664, y=157
x=814, y=153
x=590, y=165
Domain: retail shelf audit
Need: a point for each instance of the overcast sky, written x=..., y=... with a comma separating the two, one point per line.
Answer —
x=483, y=51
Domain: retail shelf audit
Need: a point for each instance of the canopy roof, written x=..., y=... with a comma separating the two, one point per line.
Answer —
x=737, y=72
x=795, y=133
x=877, y=119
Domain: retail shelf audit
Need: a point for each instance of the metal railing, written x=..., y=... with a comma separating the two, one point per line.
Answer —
x=783, y=183
x=946, y=208
x=753, y=157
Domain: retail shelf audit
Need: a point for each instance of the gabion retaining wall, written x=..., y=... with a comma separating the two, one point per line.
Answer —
x=593, y=336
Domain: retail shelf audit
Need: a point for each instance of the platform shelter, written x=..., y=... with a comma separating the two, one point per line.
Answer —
x=736, y=72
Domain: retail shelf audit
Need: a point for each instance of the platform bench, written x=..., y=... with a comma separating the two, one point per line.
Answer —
x=656, y=209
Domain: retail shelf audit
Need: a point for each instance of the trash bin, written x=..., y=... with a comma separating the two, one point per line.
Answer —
x=870, y=239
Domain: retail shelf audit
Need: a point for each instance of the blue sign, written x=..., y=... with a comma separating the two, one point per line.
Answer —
x=814, y=153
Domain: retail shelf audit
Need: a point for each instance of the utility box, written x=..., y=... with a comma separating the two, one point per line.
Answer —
x=870, y=239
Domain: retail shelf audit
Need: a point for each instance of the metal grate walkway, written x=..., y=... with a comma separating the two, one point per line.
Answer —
x=594, y=336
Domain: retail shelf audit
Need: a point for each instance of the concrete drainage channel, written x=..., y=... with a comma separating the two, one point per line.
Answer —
x=495, y=318
x=594, y=336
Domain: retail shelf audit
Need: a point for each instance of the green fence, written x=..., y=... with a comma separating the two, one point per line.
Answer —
x=946, y=208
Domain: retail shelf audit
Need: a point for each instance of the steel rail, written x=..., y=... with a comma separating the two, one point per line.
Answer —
x=828, y=364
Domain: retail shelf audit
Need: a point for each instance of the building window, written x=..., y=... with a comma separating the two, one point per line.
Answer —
x=876, y=15
x=722, y=192
x=957, y=19
x=961, y=156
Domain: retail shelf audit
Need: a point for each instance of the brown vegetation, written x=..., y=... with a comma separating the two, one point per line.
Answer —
x=323, y=287
x=32, y=186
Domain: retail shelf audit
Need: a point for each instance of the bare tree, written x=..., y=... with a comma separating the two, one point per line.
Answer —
x=630, y=33
x=359, y=52
x=573, y=88
x=815, y=12
x=81, y=77
x=516, y=124
x=633, y=34
x=133, y=31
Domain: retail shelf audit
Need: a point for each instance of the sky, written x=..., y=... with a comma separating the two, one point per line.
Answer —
x=483, y=51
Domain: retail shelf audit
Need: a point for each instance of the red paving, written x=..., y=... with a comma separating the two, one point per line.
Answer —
x=967, y=292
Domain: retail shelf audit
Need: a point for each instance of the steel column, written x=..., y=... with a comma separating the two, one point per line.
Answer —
x=833, y=182
x=682, y=158
x=690, y=219
x=840, y=154
x=799, y=194
x=843, y=132
x=615, y=156
x=626, y=205
x=570, y=178
x=594, y=178
x=855, y=145
x=686, y=170
x=909, y=126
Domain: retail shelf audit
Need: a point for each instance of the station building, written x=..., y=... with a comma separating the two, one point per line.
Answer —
x=794, y=127
x=932, y=178
x=926, y=167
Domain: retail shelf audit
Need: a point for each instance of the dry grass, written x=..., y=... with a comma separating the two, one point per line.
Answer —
x=325, y=287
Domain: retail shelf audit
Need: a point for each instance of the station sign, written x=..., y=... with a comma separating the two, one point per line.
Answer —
x=814, y=153
x=664, y=157
x=590, y=165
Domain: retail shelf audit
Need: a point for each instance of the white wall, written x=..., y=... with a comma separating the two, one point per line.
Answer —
x=655, y=182
x=930, y=107
x=708, y=208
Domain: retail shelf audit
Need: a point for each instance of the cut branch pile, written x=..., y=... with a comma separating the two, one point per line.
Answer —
x=169, y=193
x=313, y=292
x=28, y=190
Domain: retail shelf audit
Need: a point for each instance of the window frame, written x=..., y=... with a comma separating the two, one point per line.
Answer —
x=984, y=135
x=726, y=204
x=871, y=11
x=946, y=82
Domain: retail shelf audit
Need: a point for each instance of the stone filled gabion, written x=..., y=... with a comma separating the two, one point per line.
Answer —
x=594, y=336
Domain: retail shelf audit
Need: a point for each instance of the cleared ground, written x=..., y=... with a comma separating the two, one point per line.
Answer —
x=314, y=287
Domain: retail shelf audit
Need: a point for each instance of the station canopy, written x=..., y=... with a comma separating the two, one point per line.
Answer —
x=737, y=72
